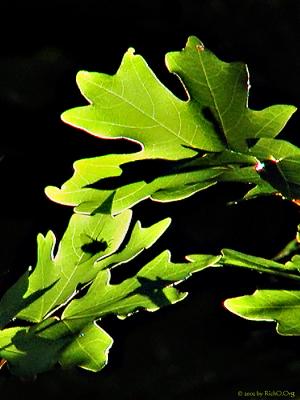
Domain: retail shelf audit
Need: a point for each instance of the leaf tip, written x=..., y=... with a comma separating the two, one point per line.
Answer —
x=82, y=74
x=53, y=193
x=227, y=305
x=131, y=51
x=193, y=41
x=166, y=222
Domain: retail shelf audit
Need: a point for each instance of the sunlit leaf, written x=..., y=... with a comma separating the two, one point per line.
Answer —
x=135, y=105
x=151, y=288
x=72, y=264
x=15, y=299
x=222, y=90
x=32, y=350
x=97, y=178
x=235, y=258
x=282, y=306
x=185, y=146
x=174, y=134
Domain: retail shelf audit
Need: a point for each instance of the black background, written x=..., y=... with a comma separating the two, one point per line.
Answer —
x=196, y=349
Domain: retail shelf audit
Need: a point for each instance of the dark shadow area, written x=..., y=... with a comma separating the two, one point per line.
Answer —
x=145, y=170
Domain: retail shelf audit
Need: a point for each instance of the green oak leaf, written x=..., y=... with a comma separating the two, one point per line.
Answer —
x=283, y=177
x=223, y=89
x=29, y=353
x=55, y=278
x=95, y=179
x=151, y=288
x=282, y=306
x=15, y=299
x=290, y=269
x=32, y=350
x=172, y=133
x=268, y=304
x=140, y=239
x=89, y=348
x=134, y=104
x=73, y=261
x=261, y=189
x=280, y=170
x=76, y=339
x=294, y=263
x=277, y=148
